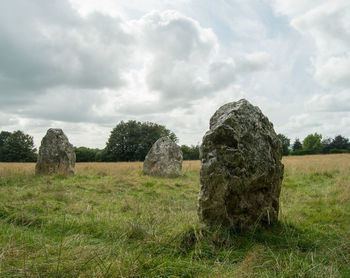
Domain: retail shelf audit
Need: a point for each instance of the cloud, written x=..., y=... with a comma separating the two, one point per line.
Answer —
x=294, y=7
x=86, y=70
x=183, y=63
x=181, y=52
x=68, y=105
x=54, y=63
x=334, y=72
x=47, y=44
x=251, y=62
x=328, y=24
x=338, y=102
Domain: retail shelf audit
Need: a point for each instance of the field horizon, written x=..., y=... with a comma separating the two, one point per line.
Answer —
x=111, y=220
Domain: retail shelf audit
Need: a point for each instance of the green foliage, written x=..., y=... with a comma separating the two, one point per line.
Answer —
x=339, y=144
x=190, y=153
x=301, y=152
x=84, y=154
x=16, y=147
x=285, y=141
x=338, y=150
x=297, y=145
x=131, y=141
x=312, y=143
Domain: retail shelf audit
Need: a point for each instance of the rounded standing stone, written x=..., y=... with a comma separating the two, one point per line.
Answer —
x=56, y=154
x=163, y=159
x=241, y=170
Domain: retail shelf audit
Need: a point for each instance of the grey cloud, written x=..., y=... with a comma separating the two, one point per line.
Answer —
x=44, y=44
x=222, y=74
x=64, y=104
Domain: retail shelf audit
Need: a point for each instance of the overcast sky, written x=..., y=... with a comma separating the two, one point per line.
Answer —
x=85, y=65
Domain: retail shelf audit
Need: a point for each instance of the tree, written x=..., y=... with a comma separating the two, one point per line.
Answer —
x=326, y=145
x=297, y=145
x=190, y=153
x=3, y=137
x=17, y=147
x=339, y=144
x=84, y=154
x=131, y=141
x=285, y=141
x=312, y=143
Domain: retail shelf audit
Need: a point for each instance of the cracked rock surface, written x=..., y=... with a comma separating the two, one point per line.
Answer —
x=163, y=159
x=241, y=170
x=56, y=154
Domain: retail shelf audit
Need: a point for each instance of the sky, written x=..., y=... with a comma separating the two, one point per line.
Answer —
x=86, y=65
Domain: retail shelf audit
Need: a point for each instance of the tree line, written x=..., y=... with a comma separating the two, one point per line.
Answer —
x=128, y=141
x=314, y=144
x=131, y=141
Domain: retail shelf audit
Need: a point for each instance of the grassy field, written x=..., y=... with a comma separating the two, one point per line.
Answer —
x=110, y=220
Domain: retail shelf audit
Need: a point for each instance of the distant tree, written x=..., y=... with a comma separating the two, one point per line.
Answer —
x=3, y=137
x=84, y=154
x=285, y=143
x=326, y=145
x=297, y=145
x=131, y=141
x=17, y=147
x=190, y=153
x=312, y=143
x=339, y=144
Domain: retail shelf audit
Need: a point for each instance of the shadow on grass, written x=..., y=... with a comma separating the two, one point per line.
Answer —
x=279, y=236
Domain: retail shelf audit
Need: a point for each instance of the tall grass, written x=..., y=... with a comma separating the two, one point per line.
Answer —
x=110, y=220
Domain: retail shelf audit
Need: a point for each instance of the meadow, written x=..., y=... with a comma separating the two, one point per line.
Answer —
x=110, y=220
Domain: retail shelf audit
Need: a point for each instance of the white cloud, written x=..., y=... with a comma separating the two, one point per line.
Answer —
x=327, y=25
x=338, y=102
x=334, y=72
x=295, y=7
x=253, y=62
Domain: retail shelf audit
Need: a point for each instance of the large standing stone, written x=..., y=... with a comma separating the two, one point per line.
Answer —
x=241, y=170
x=163, y=159
x=56, y=154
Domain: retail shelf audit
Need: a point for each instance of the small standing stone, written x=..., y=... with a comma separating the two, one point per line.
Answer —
x=56, y=154
x=241, y=170
x=163, y=159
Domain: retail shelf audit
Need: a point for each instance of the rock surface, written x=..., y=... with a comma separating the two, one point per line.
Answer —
x=163, y=159
x=56, y=154
x=241, y=169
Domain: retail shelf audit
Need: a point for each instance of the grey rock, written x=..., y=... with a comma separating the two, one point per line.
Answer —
x=163, y=159
x=241, y=170
x=56, y=154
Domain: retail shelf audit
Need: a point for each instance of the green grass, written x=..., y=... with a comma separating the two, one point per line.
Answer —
x=99, y=224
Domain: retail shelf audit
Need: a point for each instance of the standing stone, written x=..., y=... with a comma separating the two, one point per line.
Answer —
x=163, y=159
x=241, y=171
x=56, y=154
